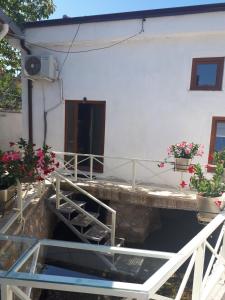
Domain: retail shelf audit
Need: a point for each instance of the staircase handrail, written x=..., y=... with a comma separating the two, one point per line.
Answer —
x=111, y=229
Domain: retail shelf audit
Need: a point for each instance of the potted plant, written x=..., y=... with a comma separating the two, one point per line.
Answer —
x=210, y=197
x=24, y=163
x=183, y=153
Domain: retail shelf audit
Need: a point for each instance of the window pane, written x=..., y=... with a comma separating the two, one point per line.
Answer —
x=206, y=74
x=220, y=136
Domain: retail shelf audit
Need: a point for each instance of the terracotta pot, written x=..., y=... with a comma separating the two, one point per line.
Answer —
x=182, y=164
x=207, y=207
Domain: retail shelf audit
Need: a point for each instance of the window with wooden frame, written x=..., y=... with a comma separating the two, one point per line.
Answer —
x=217, y=140
x=207, y=74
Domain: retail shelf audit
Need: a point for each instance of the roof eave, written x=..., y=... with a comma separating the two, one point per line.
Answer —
x=165, y=12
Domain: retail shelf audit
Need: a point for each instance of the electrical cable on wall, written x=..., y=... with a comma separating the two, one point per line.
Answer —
x=68, y=52
x=88, y=50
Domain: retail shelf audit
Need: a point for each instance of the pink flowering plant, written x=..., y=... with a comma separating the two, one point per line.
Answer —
x=185, y=150
x=23, y=161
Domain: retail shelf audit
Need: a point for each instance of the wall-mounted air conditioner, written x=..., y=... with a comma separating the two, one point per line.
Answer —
x=40, y=67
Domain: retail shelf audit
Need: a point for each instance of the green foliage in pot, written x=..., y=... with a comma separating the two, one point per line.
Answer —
x=213, y=187
x=219, y=157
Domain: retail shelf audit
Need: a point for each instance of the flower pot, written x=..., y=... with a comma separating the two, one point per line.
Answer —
x=7, y=194
x=182, y=164
x=6, y=198
x=207, y=207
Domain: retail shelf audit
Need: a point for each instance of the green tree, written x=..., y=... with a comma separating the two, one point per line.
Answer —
x=10, y=68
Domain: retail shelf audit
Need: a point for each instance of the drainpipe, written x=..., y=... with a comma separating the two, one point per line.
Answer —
x=30, y=96
x=5, y=29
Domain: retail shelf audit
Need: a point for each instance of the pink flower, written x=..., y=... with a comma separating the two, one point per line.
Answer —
x=191, y=169
x=5, y=157
x=161, y=165
x=40, y=153
x=218, y=202
x=183, y=184
x=210, y=158
x=187, y=151
x=15, y=156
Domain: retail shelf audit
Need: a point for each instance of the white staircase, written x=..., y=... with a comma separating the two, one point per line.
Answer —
x=85, y=218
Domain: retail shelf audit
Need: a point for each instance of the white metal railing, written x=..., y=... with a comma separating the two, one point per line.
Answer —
x=195, y=251
x=119, y=168
x=111, y=228
x=204, y=278
x=23, y=199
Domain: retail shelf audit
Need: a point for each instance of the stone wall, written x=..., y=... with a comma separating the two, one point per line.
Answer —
x=134, y=223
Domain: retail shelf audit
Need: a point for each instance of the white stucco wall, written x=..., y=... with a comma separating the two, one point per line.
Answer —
x=10, y=128
x=144, y=81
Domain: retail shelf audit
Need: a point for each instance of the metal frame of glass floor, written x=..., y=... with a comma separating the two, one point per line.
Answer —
x=21, y=261
x=22, y=268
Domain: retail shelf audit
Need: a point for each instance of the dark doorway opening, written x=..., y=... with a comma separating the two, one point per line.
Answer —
x=85, y=130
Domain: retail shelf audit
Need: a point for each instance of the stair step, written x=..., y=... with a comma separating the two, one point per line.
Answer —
x=67, y=208
x=67, y=194
x=96, y=233
x=129, y=264
x=119, y=242
x=83, y=220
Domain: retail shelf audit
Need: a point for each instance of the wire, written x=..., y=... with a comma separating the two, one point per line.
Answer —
x=88, y=50
x=73, y=40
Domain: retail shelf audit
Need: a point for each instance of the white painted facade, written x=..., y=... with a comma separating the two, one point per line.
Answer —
x=145, y=82
x=10, y=128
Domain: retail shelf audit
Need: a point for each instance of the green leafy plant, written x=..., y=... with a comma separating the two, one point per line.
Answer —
x=219, y=157
x=213, y=187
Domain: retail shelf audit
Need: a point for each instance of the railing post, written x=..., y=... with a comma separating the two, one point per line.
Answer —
x=133, y=174
x=113, y=229
x=91, y=166
x=75, y=166
x=39, y=189
x=223, y=245
x=19, y=198
x=6, y=292
x=198, y=273
x=57, y=192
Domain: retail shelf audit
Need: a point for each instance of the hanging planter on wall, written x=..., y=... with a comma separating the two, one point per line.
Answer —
x=183, y=153
x=182, y=164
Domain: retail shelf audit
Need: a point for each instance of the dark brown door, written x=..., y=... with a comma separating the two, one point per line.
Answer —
x=85, y=128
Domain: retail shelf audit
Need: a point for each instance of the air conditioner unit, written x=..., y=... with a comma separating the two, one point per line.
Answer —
x=40, y=67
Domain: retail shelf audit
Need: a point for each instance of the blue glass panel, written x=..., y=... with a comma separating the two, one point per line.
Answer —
x=220, y=136
x=220, y=143
x=206, y=74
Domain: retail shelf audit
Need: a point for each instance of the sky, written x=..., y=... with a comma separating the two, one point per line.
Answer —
x=74, y=8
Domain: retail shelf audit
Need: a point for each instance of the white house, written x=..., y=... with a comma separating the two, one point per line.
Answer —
x=129, y=84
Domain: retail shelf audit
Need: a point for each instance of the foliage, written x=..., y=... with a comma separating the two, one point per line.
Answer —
x=213, y=187
x=219, y=157
x=10, y=65
x=24, y=161
x=185, y=150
